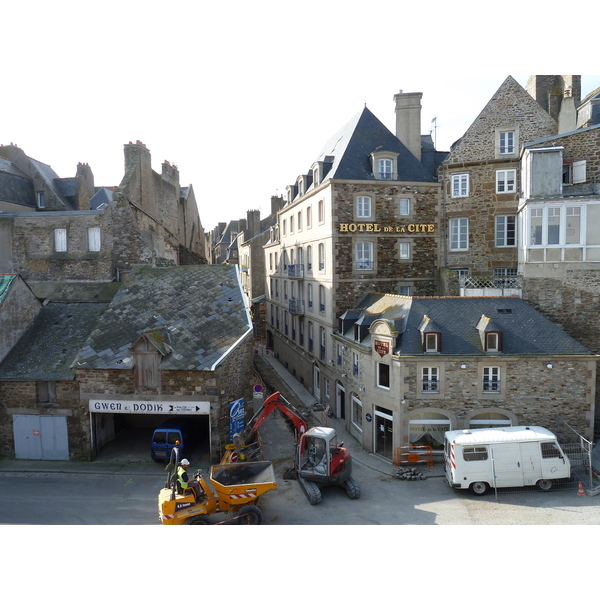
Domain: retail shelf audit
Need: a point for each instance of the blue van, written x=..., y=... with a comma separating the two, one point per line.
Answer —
x=166, y=436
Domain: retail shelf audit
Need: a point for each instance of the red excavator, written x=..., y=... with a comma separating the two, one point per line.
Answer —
x=319, y=460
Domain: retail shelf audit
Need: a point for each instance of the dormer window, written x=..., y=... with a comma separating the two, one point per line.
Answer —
x=385, y=168
x=507, y=142
x=493, y=341
x=356, y=332
x=384, y=165
x=41, y=199
x=433, y=342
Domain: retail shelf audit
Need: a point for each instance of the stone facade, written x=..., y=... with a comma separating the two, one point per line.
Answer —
x=477, y=156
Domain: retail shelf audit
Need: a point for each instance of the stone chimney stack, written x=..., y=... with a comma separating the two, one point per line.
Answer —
x=84, y=186
x=408, y=121
x=253, y=219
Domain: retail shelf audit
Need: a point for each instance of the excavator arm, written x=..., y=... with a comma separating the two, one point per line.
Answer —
x=277, y=401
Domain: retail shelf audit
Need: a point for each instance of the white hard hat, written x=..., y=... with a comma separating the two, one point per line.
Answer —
x=185, y=462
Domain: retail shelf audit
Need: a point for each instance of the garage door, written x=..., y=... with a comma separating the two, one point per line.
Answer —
x=41, y=437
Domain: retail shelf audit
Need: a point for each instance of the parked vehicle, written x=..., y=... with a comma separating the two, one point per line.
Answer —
x=501, y=457
x=180, y=432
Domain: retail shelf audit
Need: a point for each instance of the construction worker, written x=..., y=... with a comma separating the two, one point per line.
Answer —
x=184, y=480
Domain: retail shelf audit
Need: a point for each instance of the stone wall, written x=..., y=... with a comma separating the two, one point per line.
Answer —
x=421, y=228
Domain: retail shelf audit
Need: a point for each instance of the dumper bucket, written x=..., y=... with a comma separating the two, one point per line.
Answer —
x=242, y=483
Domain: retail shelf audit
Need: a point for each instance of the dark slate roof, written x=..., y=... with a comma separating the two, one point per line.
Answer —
x=525, y=331
x=202, y=308
x=102, y=196
x=48, y=347
x=352, y=146
x=15, y=187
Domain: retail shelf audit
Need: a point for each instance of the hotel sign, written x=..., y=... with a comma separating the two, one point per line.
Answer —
x=382, y=348
x=381, y=228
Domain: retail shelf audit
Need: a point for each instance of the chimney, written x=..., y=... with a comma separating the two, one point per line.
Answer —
x=408, y=121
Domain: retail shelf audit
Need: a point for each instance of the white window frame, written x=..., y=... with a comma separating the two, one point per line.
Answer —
x=385, y=169
x=459, y=234
x=60, y=240
x=507, y=142
x=321, y=257
x=504, y=225
x=431, y=342
x=404, y=207
x=506, y=181
x=41, y=199
x=429, y=376
x=459, y=187
x=94, y=239
x=363, y=207
x=404, y=250
x=491, y=379
x=363, y=256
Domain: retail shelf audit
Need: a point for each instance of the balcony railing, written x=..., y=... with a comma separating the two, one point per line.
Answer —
x=295, y=271
x=296, y=306
x=430, y=385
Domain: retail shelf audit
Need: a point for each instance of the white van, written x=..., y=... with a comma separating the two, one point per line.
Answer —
x=500, y=457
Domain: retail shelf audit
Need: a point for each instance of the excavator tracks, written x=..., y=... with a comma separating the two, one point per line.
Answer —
x=311, y=489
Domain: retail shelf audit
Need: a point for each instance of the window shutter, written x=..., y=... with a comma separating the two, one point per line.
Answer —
x=579, y=171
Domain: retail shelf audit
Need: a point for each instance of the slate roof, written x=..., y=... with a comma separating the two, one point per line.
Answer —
x=15, y=187
x=201, y=307
x=525, y=331
x=350, y=149
x=48, y=347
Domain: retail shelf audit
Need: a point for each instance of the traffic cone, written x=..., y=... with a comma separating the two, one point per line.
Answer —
x=580, y=491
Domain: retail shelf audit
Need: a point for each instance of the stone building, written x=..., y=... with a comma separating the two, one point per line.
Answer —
x=67, y=230
x=415, y=367
x=174, y=341
x=480, y=179
x=365, y=217
x=559, y=216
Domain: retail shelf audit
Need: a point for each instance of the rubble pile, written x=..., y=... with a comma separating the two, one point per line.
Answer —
x=409, y=474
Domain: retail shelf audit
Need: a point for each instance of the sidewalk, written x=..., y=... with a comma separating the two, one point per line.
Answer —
x=359, y=454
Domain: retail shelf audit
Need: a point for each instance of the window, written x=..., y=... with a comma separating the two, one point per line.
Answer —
x=94, y=239
x=491, y=379
x=475, y=453
x=321, y=211
x=310, y=295
x=385, y=168
x=364, y=256
x=430, y=379
x=573, y=225
x=404, y=206
x=46, y=391
x=506, y=231
x=459, y=234
x=321, y=257
x=363, y=207
x=41, y=199
x=554, y=225
x=550, y=450
x=506, y=142
x=505, y=277
x=308, y=216
x=404, y=250
x=506, y=181
x=493, y=341
x=383, y=376
x=323, y=342
x=340, y=354
x=60, y=240
x=357, y=412
x=355, y=363
x=292, y=224
x=284, y=227
x=322, y=298
x=299, y=221
x=460, y=185
x=310, y=336
x=432, y=342
x=309, y=258
x=404, y=290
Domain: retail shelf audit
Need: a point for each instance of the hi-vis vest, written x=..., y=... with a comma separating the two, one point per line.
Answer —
x=180, y=472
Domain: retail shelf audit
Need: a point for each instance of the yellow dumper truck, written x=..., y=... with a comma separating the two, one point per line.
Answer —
x=237, y=487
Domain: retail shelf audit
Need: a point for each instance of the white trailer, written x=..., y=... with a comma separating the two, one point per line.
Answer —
x=500, y=457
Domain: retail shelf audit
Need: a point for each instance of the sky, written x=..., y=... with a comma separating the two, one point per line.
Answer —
x=241, y=96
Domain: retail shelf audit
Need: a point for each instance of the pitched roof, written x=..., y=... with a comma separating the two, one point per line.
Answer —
x=48, y=347
x=350, y=148
x=201, y=307
x=525, y=331
x=511, y=105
